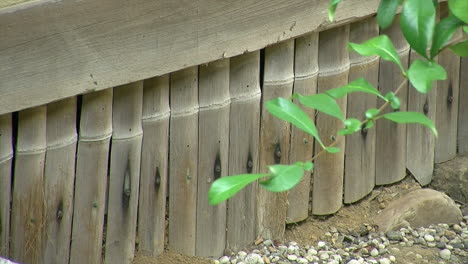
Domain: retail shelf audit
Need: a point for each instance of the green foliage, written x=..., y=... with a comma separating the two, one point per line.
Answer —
x=358, y=85
x=461, y=49
x=332, y=9
x=444, y=31
x=323, y=103
x=225, y=187
x=386, y=12
x=283, y=177
x=393, y=100
x=411, y=117
x=381, y=46
x=460, y=9
x=422, y=73
x=417, y=23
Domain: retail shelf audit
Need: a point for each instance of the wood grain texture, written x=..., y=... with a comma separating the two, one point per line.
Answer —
x=360, y=147
x=327, y=193
x=420, y=140
x=124, y=171
x=390, y=149
x=278, y=81
x=95, y=43
x=91, y=177
x=154, y=165
x=244, y=127
x=28, y=205
x=213, y=155
x=305, y=83
x=183, y=160
x=463, y=109
x=59, y=179
x=6, y=159
x=447, y=102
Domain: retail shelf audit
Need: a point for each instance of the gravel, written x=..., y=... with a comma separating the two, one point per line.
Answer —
x=451, y=241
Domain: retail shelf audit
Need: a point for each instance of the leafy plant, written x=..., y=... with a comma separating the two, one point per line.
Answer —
x=425, y=36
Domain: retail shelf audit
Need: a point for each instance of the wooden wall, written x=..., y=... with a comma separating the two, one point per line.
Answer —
x=116, y=170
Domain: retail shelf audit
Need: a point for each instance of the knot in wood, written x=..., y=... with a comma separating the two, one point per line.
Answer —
x=426, y=108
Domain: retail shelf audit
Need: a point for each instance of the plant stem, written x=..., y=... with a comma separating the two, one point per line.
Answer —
x=402, y=84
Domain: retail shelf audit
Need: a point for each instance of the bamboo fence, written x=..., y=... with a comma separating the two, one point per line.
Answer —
x=95, y=177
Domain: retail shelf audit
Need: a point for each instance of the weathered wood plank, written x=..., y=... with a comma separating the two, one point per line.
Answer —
x=124, y=171
x=59, y=179
x=28, y=207
x=213, y=155
x=91, y=177
x=278, y=81
x=6, y=159
x=420, y=140
x=390, y=149
x=95, y=43
x=327, y=193
x=154, y=165
x=463, y=108
x=244, y=127
x=183, y=160
x=360, y=147
x=447, y=102
x=447, y=108
x=302, y=144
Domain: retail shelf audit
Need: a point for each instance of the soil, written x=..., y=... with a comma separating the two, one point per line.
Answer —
x=352, y=218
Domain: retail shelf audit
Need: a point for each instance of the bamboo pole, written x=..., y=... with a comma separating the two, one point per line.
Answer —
x=327, y=194
x=124, y=171
x=6, y=158
x=390, y=148
x=183, y=160
x=244, y=118
x=274, y=137
x=360, y=147
x=302, y=144
x=59, y=179
x=91, y=177
x=213, y=155
x=447, y=95
x=154, y=165
x=28, y=207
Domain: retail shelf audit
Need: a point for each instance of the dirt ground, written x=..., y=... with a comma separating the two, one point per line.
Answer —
x=351, y=218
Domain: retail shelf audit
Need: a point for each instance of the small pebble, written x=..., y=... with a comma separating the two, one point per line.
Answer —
x=445, y=254
x=374, y=252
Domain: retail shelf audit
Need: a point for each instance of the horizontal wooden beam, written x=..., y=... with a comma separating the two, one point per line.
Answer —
x=51, y=50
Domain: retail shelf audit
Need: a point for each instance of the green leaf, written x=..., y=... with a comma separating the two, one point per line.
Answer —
x=417, y=24
x=461, y=49
x=225, y=187
x=459, y=8
x=358, y=85
x=422, y=73
x=308, y=166
x=332, y=9
x=465, y=28
x=394, y=100
x=352, y=125
x=324, y=103
x=332, y=150
x=283, y=177
x=386, y=12
x=444, y=31
x=411, y=117
x=371, y=113
x=289, y=111
x=381, y=46
x=369, y=124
